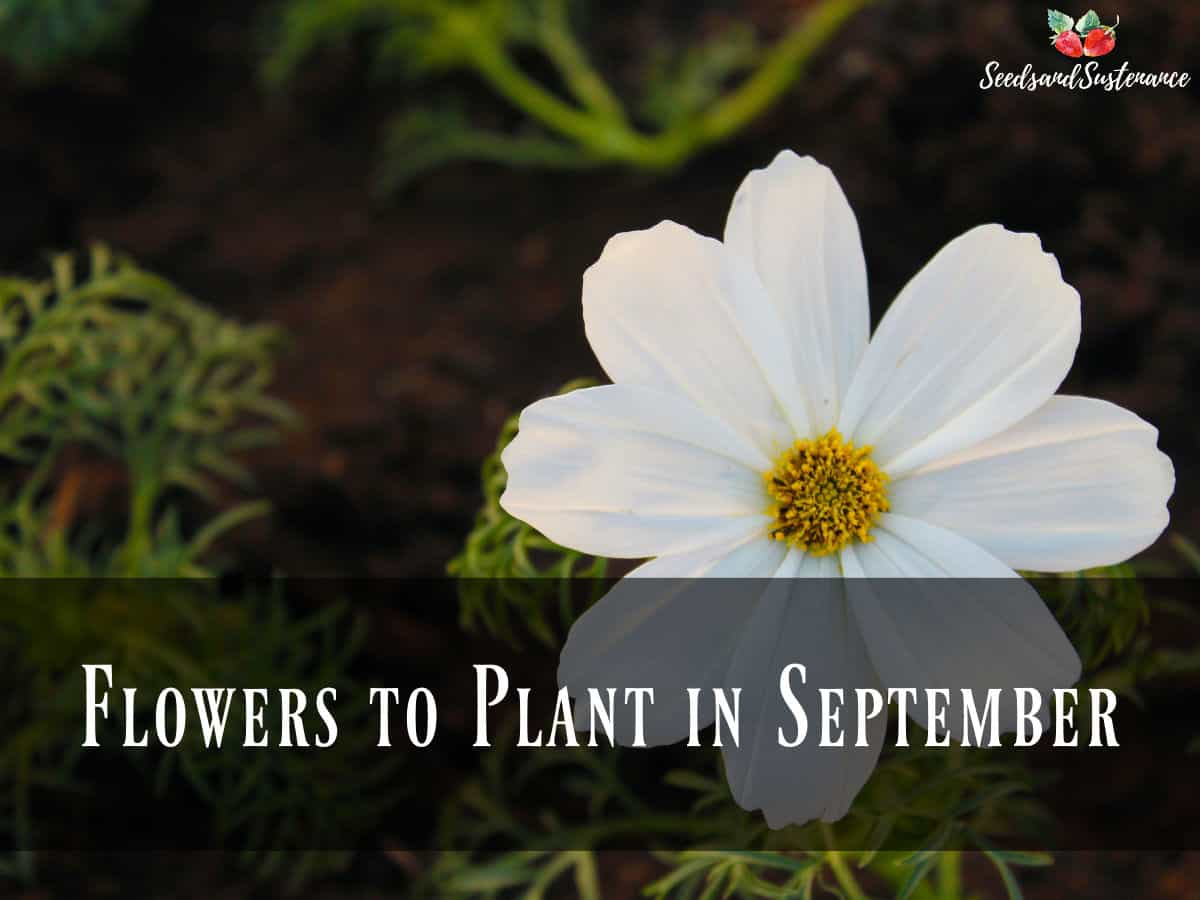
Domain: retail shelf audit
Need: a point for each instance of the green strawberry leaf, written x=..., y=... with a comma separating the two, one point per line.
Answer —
x=1059, y=22
x=1089, y=22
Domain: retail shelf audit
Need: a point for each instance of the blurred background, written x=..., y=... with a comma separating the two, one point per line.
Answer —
x=306, y=166
x=421, y=319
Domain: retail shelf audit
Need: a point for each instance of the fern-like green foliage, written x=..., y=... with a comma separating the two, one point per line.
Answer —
x=121, y=364
x=41, y=36
x=691, y=97
x=105, y=366
x=943, y=803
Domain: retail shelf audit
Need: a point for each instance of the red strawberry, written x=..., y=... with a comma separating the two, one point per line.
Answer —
x=1069, y=44
x=1100, y=41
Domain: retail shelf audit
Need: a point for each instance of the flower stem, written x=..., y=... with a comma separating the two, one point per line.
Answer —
x=949, y=875
x=598, y=135
x=779, y=70
x=558, y=43
x=844, y=876
x=139, y=532
x=842, y=873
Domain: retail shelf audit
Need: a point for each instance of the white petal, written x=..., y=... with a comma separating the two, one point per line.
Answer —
x=752, y=556
x=802, y=620
x=920, y=550
x=979, y=339
x=670, y=626
x=1079, y=483
x=629, y=472
x=793, y=221
x=668, y=309
x=981, y=627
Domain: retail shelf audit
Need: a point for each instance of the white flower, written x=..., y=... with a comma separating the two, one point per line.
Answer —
x=753, y=430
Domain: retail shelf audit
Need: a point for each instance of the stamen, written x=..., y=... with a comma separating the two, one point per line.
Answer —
x=825, y=493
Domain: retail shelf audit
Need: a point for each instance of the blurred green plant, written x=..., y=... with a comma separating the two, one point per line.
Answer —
x=576, y=120
x=947, y=804
x=41, y=36
x=109, y=372
x=122, y=363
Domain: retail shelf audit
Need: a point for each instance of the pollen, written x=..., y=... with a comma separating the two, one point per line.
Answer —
x=825, y=493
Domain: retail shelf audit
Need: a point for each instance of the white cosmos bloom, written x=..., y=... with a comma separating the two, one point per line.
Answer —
x=724, y=355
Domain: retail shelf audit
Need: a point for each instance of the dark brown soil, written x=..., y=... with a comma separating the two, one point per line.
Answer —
x=421, y=324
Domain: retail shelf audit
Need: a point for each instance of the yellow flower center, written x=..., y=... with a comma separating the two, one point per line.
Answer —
x=825, y=493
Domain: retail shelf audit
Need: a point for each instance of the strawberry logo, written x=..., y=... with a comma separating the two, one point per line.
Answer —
x=1069, y=44
x=1101, y=41
x=1087, y=37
